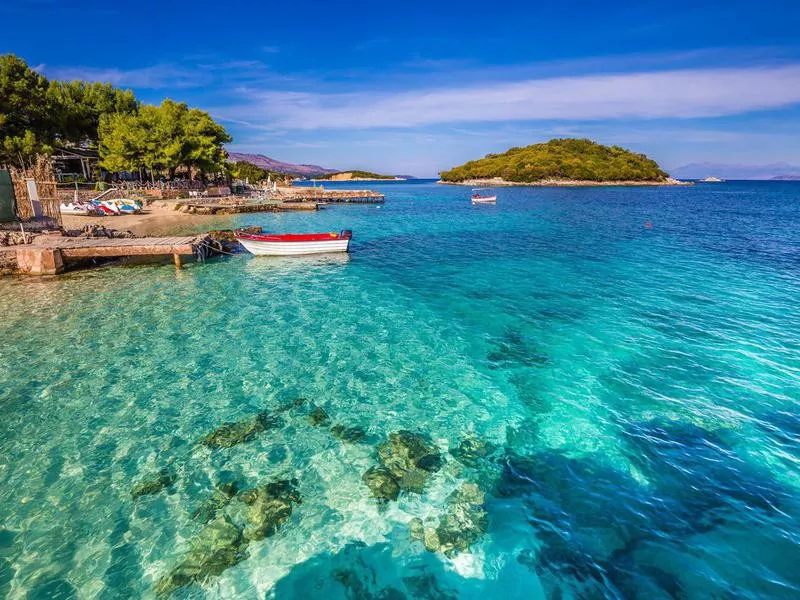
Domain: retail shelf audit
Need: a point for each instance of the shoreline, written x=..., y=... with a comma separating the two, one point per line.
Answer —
x=157, y=218
x=497, y=182
x=359, y=179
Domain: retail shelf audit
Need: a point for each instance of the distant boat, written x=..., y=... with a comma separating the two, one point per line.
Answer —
x=712, y=180
x=478, y=198
x=291, y=244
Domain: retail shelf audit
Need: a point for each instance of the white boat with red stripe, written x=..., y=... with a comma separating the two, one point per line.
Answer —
x=289, y=244
x=483, y=198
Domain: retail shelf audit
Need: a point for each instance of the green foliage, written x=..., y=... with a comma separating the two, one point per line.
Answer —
x=565, y=159
x=26, y=125
x=80, y=105
x=358, y=175
x=162, y=139
x=244, y=170
x=35, y=114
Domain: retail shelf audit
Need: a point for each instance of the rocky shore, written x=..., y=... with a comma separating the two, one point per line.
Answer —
x=497, y=182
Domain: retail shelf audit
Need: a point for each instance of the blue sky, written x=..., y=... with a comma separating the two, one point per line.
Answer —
x=413, y=88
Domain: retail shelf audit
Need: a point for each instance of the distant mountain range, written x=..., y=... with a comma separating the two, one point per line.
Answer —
x=780, y=170
x=270, y=164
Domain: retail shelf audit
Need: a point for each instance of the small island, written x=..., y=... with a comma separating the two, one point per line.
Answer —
x=561, y=162
x=357, y=176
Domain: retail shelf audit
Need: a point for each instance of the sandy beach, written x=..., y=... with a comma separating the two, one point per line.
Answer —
x=157, y=219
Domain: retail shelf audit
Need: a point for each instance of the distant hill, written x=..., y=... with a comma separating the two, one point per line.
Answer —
x=735, y=171
x=560, y=160
x=786, y=178
x=270, y=164
x=355, y=176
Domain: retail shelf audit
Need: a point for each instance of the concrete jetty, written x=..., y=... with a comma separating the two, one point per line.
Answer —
x=50, y=255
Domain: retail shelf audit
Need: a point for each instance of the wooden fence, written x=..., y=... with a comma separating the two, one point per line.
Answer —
x=44, y=176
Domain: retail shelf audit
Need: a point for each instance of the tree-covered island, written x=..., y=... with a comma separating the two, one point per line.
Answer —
x=561, y=162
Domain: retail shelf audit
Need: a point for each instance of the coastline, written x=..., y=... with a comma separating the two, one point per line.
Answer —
x=497, y=182
x=360, y=179
x=158, y=218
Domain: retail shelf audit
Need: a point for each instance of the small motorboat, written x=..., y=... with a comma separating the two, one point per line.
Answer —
x=478, y=198
x=294, y=243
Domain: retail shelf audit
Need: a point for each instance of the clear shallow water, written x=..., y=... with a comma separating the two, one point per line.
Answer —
x=640, y=386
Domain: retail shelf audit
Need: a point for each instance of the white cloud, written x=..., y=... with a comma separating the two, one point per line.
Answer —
x=684, y=93
x=153, y=77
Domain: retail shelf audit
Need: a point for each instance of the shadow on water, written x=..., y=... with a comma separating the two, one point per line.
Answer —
x=362, y=572
x=513, y=349
x=605, y=534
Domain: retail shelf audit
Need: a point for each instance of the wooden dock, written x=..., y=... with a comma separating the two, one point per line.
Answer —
x=293, y=199
x=49, y=255
x=215, y=208
x=334, y=196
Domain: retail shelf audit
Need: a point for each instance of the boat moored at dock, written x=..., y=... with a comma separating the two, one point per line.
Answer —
x=291, y=244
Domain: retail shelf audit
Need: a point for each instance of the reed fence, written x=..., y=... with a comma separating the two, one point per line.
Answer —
x=44, y=176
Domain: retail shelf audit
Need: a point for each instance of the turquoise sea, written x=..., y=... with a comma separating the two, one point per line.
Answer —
x=631, y=394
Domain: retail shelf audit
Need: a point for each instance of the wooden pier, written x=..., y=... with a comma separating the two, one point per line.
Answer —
x=218, y=208
x=304, y=194
x=50, y=255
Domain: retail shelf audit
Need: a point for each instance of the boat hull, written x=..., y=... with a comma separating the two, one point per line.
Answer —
x=261, y=248
x=486, y=200
x=73, y=209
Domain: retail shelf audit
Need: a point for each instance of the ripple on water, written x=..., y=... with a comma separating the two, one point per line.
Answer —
x=624, y=399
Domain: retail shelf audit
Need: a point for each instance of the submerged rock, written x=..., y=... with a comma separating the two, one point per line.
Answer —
x=348, y=434
x=513, y=350
x=218, y=500
x=319, y=417
x=269, y=507
x=296, y=403
x=472, y=449
x=410, y=458
x=463, y=523
x=219, y=545
x=381, y=483
x=228, y=435
x=153, y=483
